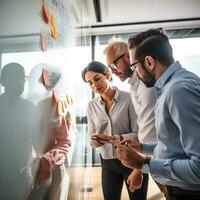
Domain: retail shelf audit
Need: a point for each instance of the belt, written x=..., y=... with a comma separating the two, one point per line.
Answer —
x=171, y=190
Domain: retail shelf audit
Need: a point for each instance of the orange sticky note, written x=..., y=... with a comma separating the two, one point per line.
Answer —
x=45, y=14
x=45, y=77
x=56, y=96
x=44, y=42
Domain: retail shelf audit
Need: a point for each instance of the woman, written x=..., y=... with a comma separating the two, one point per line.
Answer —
x=111, y=118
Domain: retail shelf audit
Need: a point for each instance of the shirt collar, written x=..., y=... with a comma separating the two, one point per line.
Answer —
x=166, y=75
x=132, y=79
x=115, y=98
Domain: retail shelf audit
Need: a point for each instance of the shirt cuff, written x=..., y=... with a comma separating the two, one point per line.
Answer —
x=148, y=148
x=157, y=166
x=145, y=167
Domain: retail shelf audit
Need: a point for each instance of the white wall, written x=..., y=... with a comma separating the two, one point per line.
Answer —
x=19, y=17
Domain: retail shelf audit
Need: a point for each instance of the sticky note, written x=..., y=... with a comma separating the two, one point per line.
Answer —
x=45, y=77
x=59, y=108
x=56, y=96
x=45, y=14
x=44, y=42
x=54, y=32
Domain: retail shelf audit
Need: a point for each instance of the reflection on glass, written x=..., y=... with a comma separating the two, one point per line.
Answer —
x=16, y=152
x=50, y=138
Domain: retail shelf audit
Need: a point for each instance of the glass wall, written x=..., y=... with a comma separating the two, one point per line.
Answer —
x=42, y=96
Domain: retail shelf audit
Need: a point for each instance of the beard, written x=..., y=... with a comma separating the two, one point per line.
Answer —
x=126, y=73
x=148, y=78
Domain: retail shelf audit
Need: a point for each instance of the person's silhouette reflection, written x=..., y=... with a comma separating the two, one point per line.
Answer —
x=50, y=138
x=15, y=140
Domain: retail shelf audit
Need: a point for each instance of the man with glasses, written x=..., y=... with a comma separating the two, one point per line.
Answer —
x=143, y=98
x=175, y=164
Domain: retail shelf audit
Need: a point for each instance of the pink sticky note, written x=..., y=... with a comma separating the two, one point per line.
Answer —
x=44, y=42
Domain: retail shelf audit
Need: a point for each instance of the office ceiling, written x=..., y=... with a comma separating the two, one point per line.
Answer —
x=104, y=16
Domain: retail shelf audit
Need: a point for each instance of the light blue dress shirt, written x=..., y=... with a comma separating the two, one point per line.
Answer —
x=176, y=157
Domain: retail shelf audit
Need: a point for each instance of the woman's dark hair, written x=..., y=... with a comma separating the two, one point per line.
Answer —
x=94, y=67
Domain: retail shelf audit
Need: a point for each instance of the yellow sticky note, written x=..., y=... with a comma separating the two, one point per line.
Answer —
x=54, y=32
x=59, y=108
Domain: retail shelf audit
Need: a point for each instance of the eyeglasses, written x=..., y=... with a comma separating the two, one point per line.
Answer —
x=113, y=66
x=133, y=66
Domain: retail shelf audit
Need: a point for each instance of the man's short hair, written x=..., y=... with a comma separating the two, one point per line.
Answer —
x=156, y=46
x=119, y=46
x=135, y=40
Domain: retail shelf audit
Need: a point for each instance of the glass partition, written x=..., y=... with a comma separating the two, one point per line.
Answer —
x=42, y=97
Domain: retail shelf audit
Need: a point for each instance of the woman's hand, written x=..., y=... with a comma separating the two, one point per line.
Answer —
x=135, y=180
x=98, y=140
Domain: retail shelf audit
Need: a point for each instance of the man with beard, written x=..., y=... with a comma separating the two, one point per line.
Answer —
x=175, y=163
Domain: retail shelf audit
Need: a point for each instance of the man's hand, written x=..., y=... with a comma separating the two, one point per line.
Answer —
x=129, y=157
x=135, y=180
x=133, y=144
x=44, y=172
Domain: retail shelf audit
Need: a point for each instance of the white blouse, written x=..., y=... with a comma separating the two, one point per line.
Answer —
x=121, y=120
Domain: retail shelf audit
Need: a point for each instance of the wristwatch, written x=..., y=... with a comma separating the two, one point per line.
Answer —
x=145, y=167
